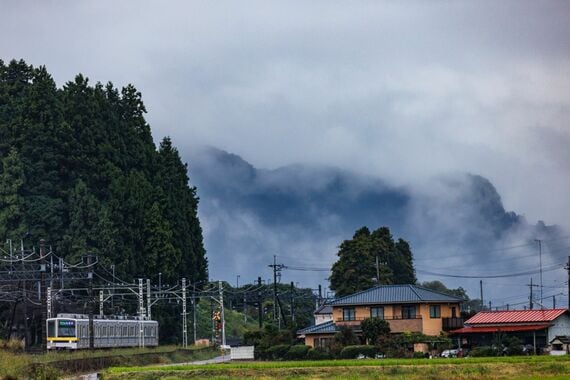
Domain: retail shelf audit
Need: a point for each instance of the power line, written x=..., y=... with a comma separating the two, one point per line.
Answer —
x=557, y=266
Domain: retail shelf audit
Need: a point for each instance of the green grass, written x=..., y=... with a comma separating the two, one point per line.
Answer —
x=16, y=365
x=523, y=367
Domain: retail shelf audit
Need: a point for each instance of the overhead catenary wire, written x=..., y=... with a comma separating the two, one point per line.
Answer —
x=503, y=275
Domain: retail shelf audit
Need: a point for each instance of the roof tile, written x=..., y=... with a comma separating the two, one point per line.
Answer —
x=387, y=294
x=515, y=316
x=327, y=327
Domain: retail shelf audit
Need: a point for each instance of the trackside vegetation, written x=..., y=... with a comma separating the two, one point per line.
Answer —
x=54, y=364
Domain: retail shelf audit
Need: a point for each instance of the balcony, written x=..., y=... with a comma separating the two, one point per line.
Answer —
x=397, y=323
x=449, y=324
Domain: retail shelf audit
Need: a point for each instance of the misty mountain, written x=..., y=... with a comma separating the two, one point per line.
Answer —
x=301, y=213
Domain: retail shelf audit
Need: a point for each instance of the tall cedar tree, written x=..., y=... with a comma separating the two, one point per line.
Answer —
x=11, y=182
x=355, y=269
x=80, y=169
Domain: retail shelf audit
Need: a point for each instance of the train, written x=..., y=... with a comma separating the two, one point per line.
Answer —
x=71, y=332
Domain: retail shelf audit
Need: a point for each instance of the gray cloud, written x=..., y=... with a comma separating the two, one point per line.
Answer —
x=401, y=91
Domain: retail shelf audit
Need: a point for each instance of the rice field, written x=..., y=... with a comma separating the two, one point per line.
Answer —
x=523, y=367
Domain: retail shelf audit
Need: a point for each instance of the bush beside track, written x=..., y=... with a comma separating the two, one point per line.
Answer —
x=53, y=364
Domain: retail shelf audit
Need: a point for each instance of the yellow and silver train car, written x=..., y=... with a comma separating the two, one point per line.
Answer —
x=71, y=331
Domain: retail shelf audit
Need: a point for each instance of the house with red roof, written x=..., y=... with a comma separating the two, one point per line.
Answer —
x=534, y=327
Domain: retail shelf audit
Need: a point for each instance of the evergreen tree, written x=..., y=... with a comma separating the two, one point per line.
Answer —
x=357, y=269
x=181, y=207
x=84, y=211
x=159, y=252
x=12, y=224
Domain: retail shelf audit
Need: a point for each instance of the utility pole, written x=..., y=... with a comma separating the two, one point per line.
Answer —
x=276, y=268
x=213, y=322
x=244, y=308
x=377, y=270
x=540, y=262
x=48, y=300
x=141, y=313
x=112, y=290
x=481, y=287
x=567, y=267
x=319, y=301
x=531, y=298
x=221, y=292
x=184, y=322
x=259, y=303
x=91, y=329
x=43, y=285
x=554, y=302
x=292, y=302
x=194, y=310
x=148, y=300
x=101, y=298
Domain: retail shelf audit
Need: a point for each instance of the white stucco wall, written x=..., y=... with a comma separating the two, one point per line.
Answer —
x=561, y=327
x=322, y=318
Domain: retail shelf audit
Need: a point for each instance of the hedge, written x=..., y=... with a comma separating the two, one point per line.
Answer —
x=483, y=351
x=318, y=354
x=277, y=352
x=352, y=352
x=297, y=352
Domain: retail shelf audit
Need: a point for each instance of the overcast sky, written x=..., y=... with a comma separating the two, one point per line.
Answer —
x=399, y=90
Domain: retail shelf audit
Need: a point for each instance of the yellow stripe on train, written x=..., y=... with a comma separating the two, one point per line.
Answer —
x=62, y=339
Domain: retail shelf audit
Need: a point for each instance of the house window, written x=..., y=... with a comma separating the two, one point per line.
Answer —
x=323, y=343
x=348, y=314
x=434, y=311
x=377, y=312
x=408, y=312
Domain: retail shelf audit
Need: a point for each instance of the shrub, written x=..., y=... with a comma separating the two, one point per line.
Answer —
x=352, y=352
x=514, y=346
x=260, y=353
x=318, y=354
x=483, y=351
x=277, y=352
x=345, y=337
x=297, y=352
x=372, y=328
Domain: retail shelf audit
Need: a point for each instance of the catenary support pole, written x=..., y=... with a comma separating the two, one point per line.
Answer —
x=259, y=303
x=184, y=322
x=481, y=288
x=221, y=290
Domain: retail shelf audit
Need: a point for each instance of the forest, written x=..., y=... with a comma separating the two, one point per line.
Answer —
x=80, y=169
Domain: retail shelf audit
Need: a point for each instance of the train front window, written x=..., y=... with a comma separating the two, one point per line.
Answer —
x=66, y=328
x=51, y=328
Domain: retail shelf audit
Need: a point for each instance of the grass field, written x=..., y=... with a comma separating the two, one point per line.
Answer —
x=17, y=365
x=523, y=367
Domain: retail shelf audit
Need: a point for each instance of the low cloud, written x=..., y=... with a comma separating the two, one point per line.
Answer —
x=456, y=224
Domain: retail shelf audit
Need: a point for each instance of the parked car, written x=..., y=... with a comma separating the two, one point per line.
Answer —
x=450, y=353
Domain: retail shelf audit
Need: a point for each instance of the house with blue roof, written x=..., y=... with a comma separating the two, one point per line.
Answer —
x=407, y=308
